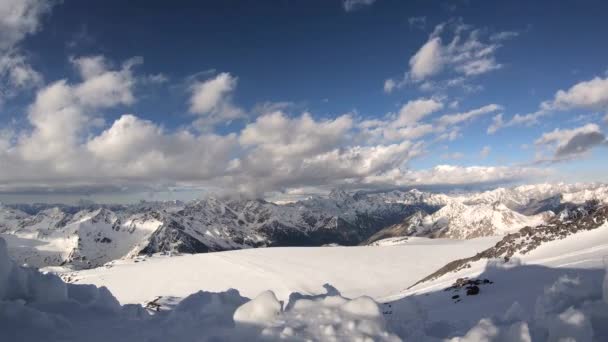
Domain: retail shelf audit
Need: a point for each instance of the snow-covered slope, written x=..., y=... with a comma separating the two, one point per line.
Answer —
x=282, y=269
x=457, y=220
x=521, y=197
x=10, y=218
x=591, y=216
x=93, y=236
x=85, y=239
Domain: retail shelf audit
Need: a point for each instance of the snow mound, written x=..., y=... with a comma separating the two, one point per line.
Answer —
x=330, y=318
x=262, y=310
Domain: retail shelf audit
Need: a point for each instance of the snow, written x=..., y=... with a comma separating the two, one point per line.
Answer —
x=88, y=239
x=464, y=221
x=36, y=306
x=89, y=236
x=283, y=270
x=545, y=296
x=556, y=292
x=262, y=310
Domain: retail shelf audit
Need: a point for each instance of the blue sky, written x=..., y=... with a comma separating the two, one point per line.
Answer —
x=288, y=98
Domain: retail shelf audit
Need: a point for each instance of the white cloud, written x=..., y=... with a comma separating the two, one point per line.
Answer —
x=212, y=99
x=352, y=5
x=428, y=61
x=450, y=135
x=592, y=94
x=452, y=119
x=485, y=152
x=413, y=111
x=466, y=53
x=572, y=143
x=409, y=123
x=284, y=153
x=62, y=112
x=18, y=18
x=16, y=75
x=588, y=95
x=61, y=151
x=389, y=85
x=137, y=148
x=449, y=175
x=497, y=123
x=283, y=137
x=274, y=153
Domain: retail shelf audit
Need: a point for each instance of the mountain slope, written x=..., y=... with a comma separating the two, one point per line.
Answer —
x=587, y=217
x=457, y=220
x=90, y=235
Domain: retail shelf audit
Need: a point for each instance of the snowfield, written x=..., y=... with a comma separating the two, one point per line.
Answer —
x=283, y=270
x=557, y=293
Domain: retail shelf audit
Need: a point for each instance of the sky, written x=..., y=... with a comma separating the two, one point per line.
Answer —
x=116, y=101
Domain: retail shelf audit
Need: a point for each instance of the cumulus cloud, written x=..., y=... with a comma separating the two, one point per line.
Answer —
x=136, y=148
x=61, y=116
x=212, y=99
x=283, y=137
x=275, y=153
x=568, y=144
x=586, y=95
x=352, y=5
x=62, y=112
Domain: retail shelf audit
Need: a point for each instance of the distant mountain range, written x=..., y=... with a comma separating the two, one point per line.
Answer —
x=90, y=235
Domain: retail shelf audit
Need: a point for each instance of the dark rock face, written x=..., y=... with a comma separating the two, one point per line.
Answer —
x=535, y=206
x=215, y=225
x=399, y=229
x=172, y=237
x=585, y=217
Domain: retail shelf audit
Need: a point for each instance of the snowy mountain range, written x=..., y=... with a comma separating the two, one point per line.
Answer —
x=91, y=235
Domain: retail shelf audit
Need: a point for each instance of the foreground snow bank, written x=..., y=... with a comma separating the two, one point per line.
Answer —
x=36, y=306
x=324, y=317
x=41, y=307
x=521, y=304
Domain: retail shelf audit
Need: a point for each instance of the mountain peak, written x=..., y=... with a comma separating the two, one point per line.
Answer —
x=339, y=195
